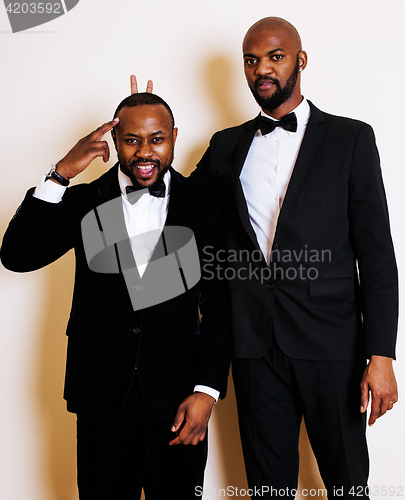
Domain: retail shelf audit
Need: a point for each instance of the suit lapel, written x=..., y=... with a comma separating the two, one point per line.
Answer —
x=245, y=140
x=313, y=137
x=109, y=208
x=109, y=187
x=111, y=214
x=180, y=196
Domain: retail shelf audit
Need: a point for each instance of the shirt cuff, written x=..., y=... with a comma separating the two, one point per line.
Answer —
x=207, y=390
x=49, y=191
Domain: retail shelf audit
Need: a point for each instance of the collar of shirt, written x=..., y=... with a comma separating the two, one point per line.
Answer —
x=302, y=112
x=144, y=220
x=266, y=173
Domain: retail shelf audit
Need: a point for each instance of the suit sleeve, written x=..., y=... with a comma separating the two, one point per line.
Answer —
x=202, y=175
x=215, y=348
x=370, y=232
x=37, y=235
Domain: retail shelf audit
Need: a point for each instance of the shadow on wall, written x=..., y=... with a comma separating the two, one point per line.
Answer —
x=216, y=71
x=223, y=107
x=59, y=426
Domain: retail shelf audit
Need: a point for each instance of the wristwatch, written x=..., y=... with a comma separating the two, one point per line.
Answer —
x=51, y=173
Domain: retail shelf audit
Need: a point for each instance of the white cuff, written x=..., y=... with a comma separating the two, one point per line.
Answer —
x=49, y=191
x=207, y=390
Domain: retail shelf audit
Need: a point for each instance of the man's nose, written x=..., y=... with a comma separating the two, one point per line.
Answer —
x=264, y=67
x=144, y=150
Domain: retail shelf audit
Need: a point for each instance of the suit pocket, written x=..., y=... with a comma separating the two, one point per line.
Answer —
x=330, y=286
x=187, y=338
x=83, y=329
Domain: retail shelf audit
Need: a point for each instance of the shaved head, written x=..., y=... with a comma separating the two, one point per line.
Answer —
x=273, y=63
x=276, y=24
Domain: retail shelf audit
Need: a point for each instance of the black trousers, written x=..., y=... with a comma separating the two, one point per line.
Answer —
x=273, y=393
x=118, y=456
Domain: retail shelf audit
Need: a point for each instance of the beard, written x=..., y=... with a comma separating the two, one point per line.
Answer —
x=281, y=95
x=128, y=169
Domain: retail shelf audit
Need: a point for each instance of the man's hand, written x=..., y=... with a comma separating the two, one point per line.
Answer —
x=134, y=85
x=192, y=418
x=85, y=151
x=379, y=380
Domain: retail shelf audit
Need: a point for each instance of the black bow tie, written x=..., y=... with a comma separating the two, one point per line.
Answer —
x=288, y=122
x=157, y=189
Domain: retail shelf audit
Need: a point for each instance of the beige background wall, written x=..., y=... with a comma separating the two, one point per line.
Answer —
x=61, y=80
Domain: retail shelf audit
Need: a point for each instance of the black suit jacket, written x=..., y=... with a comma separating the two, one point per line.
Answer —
x=165, y=343
x=332, y=293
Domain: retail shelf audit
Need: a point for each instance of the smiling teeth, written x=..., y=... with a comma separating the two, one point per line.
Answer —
x=145, y=168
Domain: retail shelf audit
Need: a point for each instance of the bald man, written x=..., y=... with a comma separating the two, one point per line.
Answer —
x=313, y=275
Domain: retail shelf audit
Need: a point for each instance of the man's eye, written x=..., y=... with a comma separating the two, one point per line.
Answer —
x=250, y=62
x=277, y=57
x=157, y=139
x=131, y=141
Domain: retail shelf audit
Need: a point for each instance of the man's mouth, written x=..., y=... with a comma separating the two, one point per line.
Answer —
x=145, y=169
x=264, y=83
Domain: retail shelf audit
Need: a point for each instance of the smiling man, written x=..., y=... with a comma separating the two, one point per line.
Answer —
x=154, y=147
x=314, y=326
x=142, y=381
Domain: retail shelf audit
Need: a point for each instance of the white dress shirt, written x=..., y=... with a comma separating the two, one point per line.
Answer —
x=266, y=173
x=147, y=215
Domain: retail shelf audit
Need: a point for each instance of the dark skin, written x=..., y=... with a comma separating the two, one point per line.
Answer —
x=143, y=133
x=270, y=51
x=144, y=140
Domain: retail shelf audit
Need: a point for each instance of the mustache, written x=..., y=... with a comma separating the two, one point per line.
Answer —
x=261, y=79
x=134, y=163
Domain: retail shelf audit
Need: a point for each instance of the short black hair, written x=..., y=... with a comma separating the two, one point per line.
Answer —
x=143, y=98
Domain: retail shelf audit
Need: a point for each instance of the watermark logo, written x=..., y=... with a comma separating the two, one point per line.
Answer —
x=169, y=260
x=26, y=15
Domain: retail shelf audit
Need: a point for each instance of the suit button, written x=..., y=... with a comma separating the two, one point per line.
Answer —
x=136, y=330
x=139, y=288
x=276, y=246
x=270, y=286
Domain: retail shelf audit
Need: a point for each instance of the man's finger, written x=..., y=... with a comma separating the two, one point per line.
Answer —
x=187, y=436
x=178, y=420
x=391, y=404
x=375, y=410
x=98, y=134
x=364, y=398
x=106, y=155
x=134, y=84
x=384, y=407
x=149, y=86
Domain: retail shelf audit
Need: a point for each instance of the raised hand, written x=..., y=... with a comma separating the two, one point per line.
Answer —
x=134, y=85
x=85, y=151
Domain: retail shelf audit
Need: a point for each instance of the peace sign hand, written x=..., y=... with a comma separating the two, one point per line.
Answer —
x=134, y=85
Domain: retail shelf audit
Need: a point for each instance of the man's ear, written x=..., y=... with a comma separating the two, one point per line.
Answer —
x=175, y=130
x=303, y=59
x=114, y=138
